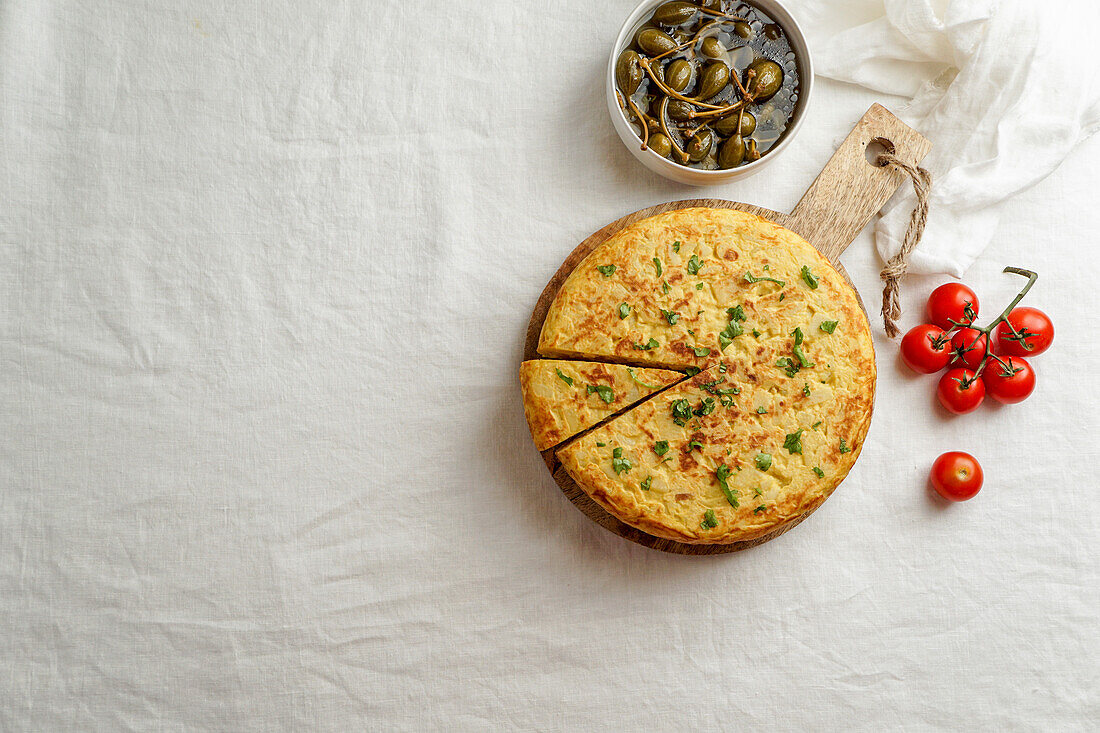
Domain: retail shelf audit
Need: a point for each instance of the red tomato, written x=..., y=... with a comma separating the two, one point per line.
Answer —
x=1009, y=384
x=924, y=349
x=968, y=347
x=952, y=302
x=1032, y=325
x=959, y=391
x=957, y=476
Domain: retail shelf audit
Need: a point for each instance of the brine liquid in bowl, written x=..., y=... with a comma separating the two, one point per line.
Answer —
x=685, y=85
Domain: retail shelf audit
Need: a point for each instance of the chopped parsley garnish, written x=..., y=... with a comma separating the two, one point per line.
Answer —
x=806, y=388
x=727, y=335
x=617, y=453
x=793, y=443
x=705, y=407
x=819, y=472
x=782, y=296
x=698, y=286
x=749, y=277
x=828, y=326
x=712, y=387
x=657, y=264
x=759, y=509
x=757, y=492
x=681, y=412
x=694, y=265
x=722, y=473
x=675, y=246
x=788, y=365
x=692, y=371
x=733, y=329
x=624, y=311
x=844, y=447
x=709, y=520
x=726, y=400
x=651, y=344
x=562, y=377
x=761, y=411
x=647, y=483
x=633, y=376
x=701, y=350
x=664, y=286
x=618, y=463
x=804, y=363
x=660, y=447
x=670, y=316
x=695, y=445
x=691, y=332
x=763, y=461
x=756, y=333
x=606, y=270
x=816, y=425
x=606, y=393
x=809, y=277
x=600, y=445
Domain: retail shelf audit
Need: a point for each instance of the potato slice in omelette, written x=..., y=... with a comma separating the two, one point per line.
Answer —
x=562, y=398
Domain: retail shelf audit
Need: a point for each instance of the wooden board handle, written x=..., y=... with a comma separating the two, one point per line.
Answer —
x=849, y=189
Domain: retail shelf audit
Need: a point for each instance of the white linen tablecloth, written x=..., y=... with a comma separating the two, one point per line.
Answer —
x=265, y=271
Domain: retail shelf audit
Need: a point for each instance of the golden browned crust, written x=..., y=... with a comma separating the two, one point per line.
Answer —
x=669, y=495
x=562, y=398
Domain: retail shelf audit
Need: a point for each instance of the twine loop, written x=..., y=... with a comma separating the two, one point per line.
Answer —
x=898, y=265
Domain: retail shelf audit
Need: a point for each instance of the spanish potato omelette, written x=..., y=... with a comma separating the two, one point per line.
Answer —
x=779, y=415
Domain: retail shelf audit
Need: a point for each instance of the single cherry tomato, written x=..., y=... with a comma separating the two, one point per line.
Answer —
x=952, y=303
x=1010, y=382
x=925, y=349
x=959, y=391
x=968, y=347
x=1034, y=333
x=956, y=476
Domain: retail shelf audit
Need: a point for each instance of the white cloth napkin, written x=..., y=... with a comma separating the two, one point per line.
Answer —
x=1003, y=88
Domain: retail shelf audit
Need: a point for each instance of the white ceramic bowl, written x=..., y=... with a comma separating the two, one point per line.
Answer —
x=695, y=177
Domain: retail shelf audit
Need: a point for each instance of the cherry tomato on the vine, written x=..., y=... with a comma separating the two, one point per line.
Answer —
x=1010, y=382
x=952, y=302
x=956, y=476
x=959, y=391
x=968, y=347
x=1034, y=333
x=925, y=349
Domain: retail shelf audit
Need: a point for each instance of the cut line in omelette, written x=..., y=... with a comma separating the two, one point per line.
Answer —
x=562, y=398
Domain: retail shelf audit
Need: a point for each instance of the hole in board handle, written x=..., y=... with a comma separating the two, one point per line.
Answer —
x=877, y=147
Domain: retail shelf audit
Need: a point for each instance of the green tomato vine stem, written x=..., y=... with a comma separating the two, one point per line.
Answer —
x=987, y=330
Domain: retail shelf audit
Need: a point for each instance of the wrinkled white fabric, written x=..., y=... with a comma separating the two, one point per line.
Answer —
x=265, y=274
x=1005, y=89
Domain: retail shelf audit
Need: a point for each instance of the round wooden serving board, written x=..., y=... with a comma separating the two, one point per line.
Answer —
x=837, y=205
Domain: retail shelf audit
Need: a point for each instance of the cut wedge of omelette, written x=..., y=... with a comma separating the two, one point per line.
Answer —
x=778, y=415
x=562, y=398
